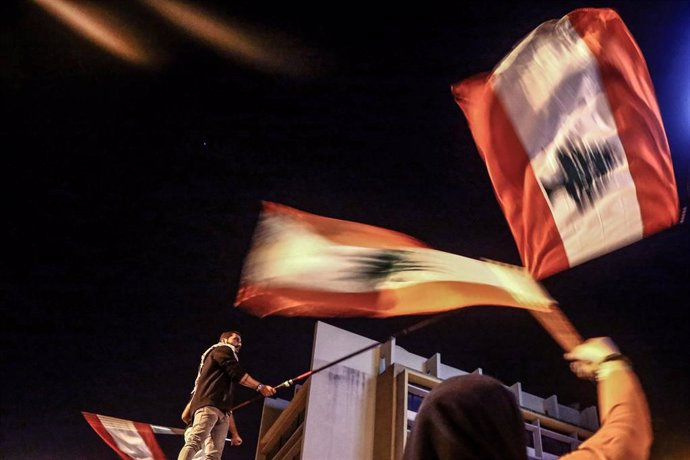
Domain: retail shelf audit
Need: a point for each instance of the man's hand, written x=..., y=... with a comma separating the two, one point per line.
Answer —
x=235, y=439
x=586, y=357
x=266, y=390
x=250, y=382
x=187, y=413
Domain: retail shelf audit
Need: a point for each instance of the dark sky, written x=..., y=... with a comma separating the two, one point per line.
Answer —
x=133, y=194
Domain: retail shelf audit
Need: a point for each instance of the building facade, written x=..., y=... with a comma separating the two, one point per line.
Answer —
x=364, y=408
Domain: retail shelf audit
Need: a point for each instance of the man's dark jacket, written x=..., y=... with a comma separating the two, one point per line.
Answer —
x=219, y=374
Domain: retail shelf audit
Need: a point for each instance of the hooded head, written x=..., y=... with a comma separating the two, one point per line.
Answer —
x=468, y=417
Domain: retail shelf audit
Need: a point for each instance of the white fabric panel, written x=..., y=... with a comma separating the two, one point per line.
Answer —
x=552, y=91
x=126, y=437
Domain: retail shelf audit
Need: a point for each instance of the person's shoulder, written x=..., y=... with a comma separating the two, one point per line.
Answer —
x=223, y=352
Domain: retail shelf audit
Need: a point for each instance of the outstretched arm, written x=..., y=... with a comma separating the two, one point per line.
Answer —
x=249, y=382
x=229, y=363
x=626, y=429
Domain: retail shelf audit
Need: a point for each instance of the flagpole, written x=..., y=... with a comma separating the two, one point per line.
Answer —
x=553, y=321
x=559, y=327
x=401, y=333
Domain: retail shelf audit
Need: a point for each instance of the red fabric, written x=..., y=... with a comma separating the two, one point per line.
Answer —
x=634, y=107
x=630, y=93
x=515, y=185
x=346, y=232
x=427, y=298
x=98, y=427
x=143, y=429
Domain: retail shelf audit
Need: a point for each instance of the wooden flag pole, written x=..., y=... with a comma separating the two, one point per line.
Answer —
x=559, y=327
x=554, y=321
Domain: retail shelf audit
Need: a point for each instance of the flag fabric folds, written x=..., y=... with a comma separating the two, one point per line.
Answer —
x=572, y=137
x=301, y=264
x=130, y=440
x=134, y=440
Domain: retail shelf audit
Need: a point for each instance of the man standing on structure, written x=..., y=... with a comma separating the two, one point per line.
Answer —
x=212, y=398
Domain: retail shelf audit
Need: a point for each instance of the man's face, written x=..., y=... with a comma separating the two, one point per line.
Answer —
x=235, y=340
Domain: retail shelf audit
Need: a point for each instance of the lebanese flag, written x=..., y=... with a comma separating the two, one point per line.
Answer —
x=570, y=131
x=301, y=264
x=131, y=440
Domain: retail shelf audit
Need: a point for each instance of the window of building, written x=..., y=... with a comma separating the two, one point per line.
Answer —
x=413, y=402
x=555, y=446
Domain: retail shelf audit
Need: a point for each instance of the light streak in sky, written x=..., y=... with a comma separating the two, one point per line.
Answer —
x=231, y=39
x=94, y=25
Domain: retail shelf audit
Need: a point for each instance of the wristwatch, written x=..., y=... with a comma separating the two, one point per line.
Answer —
x=259, y=387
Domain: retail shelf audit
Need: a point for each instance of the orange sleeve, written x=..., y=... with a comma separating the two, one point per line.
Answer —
x=626, y=428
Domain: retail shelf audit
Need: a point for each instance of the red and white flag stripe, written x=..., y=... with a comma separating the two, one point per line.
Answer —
x=301, y=264
x=130, y=440
x=572, y=137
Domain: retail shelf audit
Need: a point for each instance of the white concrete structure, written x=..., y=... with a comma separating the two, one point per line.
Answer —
x=363, y=408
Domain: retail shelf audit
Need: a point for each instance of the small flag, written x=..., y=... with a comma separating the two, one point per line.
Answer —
x=301, y=264
x=130, y=440
x=570, y=131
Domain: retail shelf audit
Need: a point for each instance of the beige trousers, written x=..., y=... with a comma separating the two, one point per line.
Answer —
x=209, y=429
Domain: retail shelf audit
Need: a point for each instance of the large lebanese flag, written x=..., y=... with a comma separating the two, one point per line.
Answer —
x=572, y=137
x=301, y=264
x=130, y=440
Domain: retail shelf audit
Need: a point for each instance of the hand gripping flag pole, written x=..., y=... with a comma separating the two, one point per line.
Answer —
x=413, y=328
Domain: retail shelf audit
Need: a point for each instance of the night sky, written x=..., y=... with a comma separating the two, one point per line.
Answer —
x=133, y=191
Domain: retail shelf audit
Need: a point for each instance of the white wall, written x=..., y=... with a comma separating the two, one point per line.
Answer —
x=339, y=421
